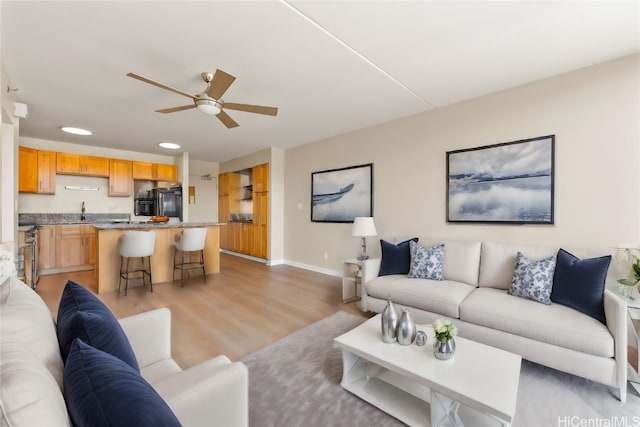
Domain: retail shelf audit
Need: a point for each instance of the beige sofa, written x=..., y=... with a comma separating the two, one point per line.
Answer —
x=31, y=368
x=474, y=294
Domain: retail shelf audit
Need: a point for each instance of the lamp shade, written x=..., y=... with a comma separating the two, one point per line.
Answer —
x=363, y=226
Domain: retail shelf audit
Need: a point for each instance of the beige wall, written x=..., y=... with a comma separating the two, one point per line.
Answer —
x=593, y=112
x=9, y=130
x=204, y=177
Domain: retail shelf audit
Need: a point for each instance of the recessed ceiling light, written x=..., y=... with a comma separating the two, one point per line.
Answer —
x=170, y=145
x=76, y=131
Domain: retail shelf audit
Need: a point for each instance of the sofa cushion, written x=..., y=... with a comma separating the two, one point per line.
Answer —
x=82, y=315
x=29, y=393
x=553, y=324
x=102, y=390
x=498, y=261
x=533, y=279
x=442, y=297
x=461, y=260
x=25, y=318
x=426, y=263
x=579, y=283
x=396, y=259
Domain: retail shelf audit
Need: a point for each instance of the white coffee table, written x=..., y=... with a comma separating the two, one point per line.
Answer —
x=478, y=386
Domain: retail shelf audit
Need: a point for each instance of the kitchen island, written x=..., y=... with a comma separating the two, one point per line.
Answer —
x=108, y=255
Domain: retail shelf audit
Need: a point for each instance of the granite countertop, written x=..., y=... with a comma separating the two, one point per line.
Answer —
x=30, y=219
x=145, y=225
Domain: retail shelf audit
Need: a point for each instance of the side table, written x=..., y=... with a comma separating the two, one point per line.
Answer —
x=355, y=272
x=633, y=311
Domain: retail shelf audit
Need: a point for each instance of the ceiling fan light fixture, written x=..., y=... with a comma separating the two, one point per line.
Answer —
x=208, y=106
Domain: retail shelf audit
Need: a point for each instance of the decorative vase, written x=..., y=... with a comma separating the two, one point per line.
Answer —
x=625, y=290
x=444, y=350
x=406, y=328
x=389, y=323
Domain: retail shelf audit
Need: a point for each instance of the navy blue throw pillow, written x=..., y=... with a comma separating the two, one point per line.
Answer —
x=396, y=259
x=101, y=390
x=579, y=283
x=82, y=315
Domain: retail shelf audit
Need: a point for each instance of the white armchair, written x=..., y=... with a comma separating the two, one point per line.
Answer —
x=215, y=392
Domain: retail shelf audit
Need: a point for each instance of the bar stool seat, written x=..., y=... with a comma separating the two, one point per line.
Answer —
x=192, y=240
x=136, y=244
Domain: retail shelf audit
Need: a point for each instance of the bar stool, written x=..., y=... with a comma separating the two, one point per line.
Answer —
x=192, y=240
x=136, y=244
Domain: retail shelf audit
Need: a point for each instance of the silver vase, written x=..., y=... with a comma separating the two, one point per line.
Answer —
x=444, y=350
x=389, y=323
x=406, y=328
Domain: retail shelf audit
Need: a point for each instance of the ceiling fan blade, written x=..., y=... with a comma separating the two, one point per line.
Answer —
x=160, y=85
x=174, y=109
x=220, y=83
x=271, y=111
x=226, y=120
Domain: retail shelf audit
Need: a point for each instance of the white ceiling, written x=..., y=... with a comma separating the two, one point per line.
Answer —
x=329, y=66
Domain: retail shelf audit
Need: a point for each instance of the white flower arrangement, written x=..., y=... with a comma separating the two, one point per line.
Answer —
x=7, y=263
x=445, y=329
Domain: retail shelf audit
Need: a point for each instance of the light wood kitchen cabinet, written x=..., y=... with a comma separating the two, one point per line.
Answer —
x=120, y=178
x=46, y=247
x=66, y=247
x=223, y=184
x=89, y=244
x=69, y=246
x=154, y=171
x=142, y=170
x=223, y=217
x=260, y=178
x=260, y=226
x=164, y=172
x=78, y=164
x=240, y=237
x=37, y=171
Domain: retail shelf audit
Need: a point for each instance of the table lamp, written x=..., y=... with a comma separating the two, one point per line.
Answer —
x=363, y=226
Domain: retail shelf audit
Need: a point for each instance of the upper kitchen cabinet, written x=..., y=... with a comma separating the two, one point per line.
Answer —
x=120, y=178
x=37, y=171
x=154, y=171
x=165, y=172
x=78, y=164
x=260, y=178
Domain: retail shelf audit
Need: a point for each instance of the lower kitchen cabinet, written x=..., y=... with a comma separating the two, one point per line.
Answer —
x=63, y=248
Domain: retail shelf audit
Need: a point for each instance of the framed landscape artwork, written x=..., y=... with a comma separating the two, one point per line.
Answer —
x=510, y=182
x=340, y=195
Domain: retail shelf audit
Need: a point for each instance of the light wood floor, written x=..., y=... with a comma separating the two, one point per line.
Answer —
x=245, y=307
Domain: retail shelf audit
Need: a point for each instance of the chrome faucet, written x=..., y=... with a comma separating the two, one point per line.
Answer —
x=82, y=216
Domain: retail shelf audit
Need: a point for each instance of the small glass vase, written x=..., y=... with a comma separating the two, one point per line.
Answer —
x=444, y=350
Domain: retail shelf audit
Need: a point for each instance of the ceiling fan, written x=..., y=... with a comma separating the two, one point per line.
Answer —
x=210, y=100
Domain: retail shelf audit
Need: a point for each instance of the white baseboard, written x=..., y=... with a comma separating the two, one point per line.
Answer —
x=313, y=268
x=252, y=258
x=309, y=267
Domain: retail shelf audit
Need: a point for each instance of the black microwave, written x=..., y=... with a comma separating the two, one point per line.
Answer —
x=145, y=206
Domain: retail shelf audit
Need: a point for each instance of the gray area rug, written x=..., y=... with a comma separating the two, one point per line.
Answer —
x=296, y=382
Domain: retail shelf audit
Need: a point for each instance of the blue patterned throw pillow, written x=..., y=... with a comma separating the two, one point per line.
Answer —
x=426, y=263
x=533, y=279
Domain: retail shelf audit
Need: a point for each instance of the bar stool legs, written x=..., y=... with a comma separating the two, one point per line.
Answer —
x=125, y=273
x=183, y=265
x=192, y=240
x=136, y=244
